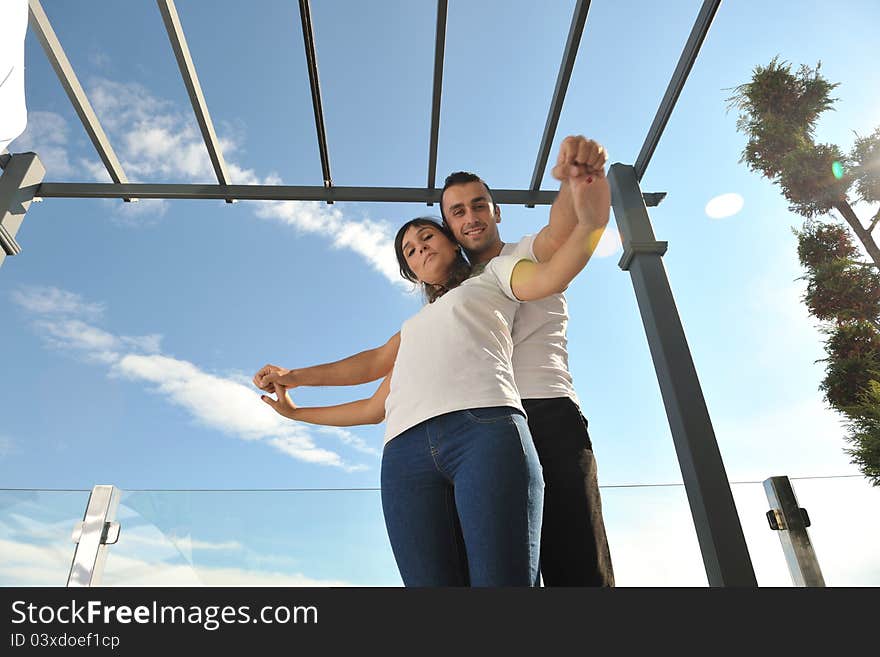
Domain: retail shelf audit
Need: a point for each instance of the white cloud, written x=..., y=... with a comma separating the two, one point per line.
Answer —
x=46, y=135
x=224, y=404
x=350, y=439
x=29, y=564
x=38, y=552
x=7, y=446
x=45, y=300
x=100, y=59
x=725, y=205
x=76, y=334
x=139, y=213
x=373, y=240
x=155, y=142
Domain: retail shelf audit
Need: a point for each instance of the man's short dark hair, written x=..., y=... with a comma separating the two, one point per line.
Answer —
x=461, y=178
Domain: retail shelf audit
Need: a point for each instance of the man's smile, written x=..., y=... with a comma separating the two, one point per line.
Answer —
x=473, y=231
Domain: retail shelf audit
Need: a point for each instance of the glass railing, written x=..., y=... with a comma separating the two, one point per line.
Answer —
x=36, y=547
x=337, y=537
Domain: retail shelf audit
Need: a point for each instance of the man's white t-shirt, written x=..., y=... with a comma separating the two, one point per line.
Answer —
x=540, y=345
x=456, y=353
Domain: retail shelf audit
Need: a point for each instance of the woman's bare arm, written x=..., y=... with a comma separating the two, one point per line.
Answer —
x=362, y=411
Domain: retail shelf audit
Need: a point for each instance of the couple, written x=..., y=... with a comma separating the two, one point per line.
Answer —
x=464, y=481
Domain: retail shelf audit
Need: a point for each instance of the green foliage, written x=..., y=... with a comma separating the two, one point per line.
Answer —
x=853, y=361
x=864, y=427
x=842, y=291
x=778, y=112
x=839, y=288
x=819, y=244
x=865, y=161
x=807, y=179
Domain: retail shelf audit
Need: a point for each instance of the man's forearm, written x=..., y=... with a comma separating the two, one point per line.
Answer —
x=563, y=219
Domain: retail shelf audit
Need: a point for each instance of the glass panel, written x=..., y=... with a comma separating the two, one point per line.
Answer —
x=327, y=537
x=653, y=541
x=651, y=537
x=36, y=547
x=844, y=529
x=272, y=538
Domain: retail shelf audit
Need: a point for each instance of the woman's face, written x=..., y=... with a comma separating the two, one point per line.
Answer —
x=429, y=253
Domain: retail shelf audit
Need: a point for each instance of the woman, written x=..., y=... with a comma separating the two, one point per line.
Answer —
x=462, y=490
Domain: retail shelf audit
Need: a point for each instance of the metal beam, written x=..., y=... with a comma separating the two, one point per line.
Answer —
x=193, y=88
x=723, y=546
x=439, y=49
x=22, y=174
x=39, y=22
x=676, y=84
x=578, y=20
x=312, y=63
x=525, y=197
x=276, y=193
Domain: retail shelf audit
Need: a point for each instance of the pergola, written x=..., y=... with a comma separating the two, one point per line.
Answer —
x=722, y=543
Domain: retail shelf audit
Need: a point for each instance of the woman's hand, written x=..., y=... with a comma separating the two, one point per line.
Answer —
x=269, y=375
x=581, y=167
x=591, y=196
x=283, y=405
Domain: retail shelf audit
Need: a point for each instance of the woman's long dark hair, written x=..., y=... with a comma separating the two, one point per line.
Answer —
x=459, y=272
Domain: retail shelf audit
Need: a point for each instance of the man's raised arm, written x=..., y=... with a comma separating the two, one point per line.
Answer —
x=363, y=367
x=576, y=157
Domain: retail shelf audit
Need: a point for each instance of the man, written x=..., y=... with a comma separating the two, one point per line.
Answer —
x=574, y=547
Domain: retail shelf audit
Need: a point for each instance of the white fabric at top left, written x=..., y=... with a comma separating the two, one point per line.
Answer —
x=13, y=27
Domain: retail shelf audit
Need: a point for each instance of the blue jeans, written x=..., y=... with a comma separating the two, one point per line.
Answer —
x=462, y=495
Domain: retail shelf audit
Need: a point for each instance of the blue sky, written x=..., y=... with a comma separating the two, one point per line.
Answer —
x=132, y=330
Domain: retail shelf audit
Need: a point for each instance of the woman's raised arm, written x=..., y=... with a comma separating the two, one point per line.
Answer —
x=592, y=202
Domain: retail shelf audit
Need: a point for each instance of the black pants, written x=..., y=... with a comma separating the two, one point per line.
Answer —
x=574, y=548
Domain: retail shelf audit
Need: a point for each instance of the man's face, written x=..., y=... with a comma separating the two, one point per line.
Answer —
x=472, y=216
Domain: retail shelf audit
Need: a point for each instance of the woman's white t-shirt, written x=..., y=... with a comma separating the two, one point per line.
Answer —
x=456, y=353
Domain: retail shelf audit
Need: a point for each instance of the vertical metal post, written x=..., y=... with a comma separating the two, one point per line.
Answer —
x=725, y=555
x=791, y=522
x=23, y=172
x=92, y=536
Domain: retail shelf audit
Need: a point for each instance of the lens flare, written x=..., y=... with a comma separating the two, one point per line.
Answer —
x=725, y=205
x=837, y=170
x=609, y=244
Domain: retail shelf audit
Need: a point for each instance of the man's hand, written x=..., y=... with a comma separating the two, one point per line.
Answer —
x=269, y=375
x=283, y=405
x=579, y=157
